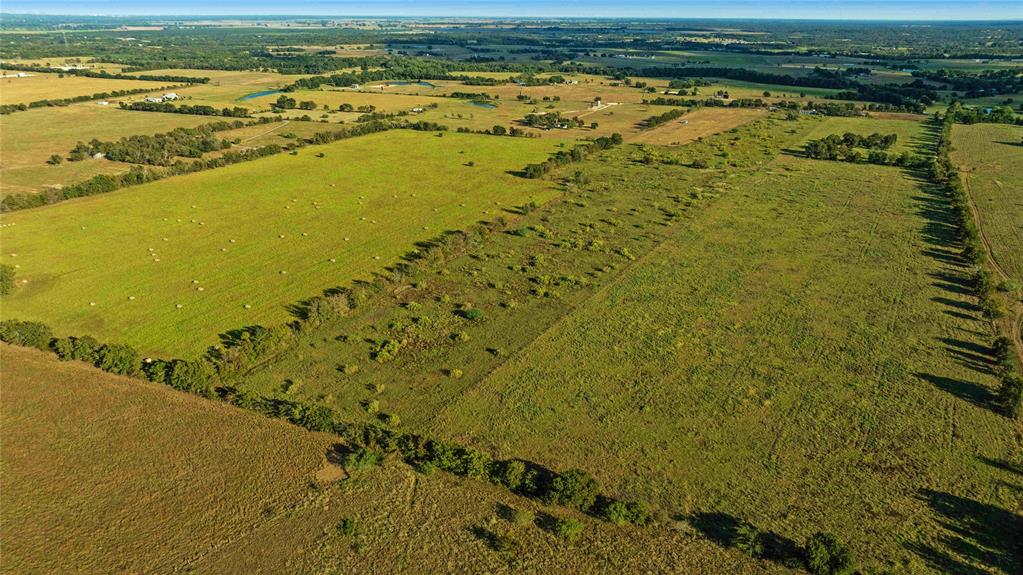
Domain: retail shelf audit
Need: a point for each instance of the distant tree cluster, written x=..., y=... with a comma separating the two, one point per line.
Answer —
x=847, y=147
x=993, y=115
x=654, y=121
x=550, y=120
x=198, y=110
x=159, y=149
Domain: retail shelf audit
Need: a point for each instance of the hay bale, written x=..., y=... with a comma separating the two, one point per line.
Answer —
x=305, y=235
x=179, y=306
x=195, y=281
x=247, y=306
x=332, y=260
x=281, y=236
x=92, y=303
x=346, y=239
x=131, y=298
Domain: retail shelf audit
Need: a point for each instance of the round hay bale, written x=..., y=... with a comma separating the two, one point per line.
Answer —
x=281, y=236
x=195, y=281
x=92, y=303
x=131, y=298
x=200, y=288
x=305, y=234
x=332, y=260
x=346, y=239
x=179, y=306
x=284, y=272
x=247, y=306
x=232, y=241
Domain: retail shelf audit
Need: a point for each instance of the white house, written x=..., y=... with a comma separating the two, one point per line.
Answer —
x=171, y=96
x=152, y=99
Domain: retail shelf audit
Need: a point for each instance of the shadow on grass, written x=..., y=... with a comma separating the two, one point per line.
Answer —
x=968, y=391
x=723, y=529
x=976, y=537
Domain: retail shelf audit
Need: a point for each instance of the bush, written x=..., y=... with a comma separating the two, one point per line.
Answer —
x=360, y=459
x=348, y=527
x=826, y=555
x=622, y=512
x=508, y=473
x=386, y=350
x=522, y=517
x=6, y=279
x=190, y=376
x=574, y=488
x=472, y=314
x=118, y=358
x=567, y=528
x=1010, y=395
x=26, y=333
x=749, y=540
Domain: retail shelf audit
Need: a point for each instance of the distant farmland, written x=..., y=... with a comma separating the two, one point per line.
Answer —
x=235, y=246
x=41, y=86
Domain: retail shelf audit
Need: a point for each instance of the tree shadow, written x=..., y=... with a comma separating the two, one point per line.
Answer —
x=955, y=303
x=965, y=390
x=976, y=536
x=723, y=529
x=952, y=283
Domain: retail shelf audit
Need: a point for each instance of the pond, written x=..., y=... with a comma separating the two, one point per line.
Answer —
x=260, y=94
x=411, y=83
x=486, y=105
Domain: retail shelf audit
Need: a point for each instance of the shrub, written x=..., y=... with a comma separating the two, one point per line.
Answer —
x=749, y=540
x=386, y=350
x=26, y=333
x=7, y=274
x=318, y=418
x=991, y=309
x=348, y=527
x=55, y=159
x=622, y=512
x=472, y=314
x=522, y=517
x=573, y=488
x=118, y=358
x=508, y=473
x=567, y=528
x=1010, y=395
x=826, y=555
x=360, y=459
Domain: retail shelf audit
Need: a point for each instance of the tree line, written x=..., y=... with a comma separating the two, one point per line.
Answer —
x=11, y=108
x=576, y=154
x=971, y=115
x=103, y=74
x=199, y=110
x=944, y=173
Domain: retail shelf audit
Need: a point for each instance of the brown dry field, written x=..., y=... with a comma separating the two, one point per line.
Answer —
x=105, y=474
x=702, y=123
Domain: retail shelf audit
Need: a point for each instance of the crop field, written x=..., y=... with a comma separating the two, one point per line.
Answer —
x=914, y=135
x=216, y=490
x=698, y=124
x=755, y=330
x=259, y=234
x=991, y=156
x=40, y=86
x=28, y=138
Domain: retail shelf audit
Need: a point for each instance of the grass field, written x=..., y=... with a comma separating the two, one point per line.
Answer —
x=800, y=353
x=189, y=472
x=40, y=86
x=990, y=157
x=383, y=192
x=913, y=134
x=205, y=488
x=699, y=124
x=28, y=139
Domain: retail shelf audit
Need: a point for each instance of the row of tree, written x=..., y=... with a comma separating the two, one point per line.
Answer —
x=945, y=174
x=198, y=109
x=11, y=108
x=576, y=154
x=103, y=74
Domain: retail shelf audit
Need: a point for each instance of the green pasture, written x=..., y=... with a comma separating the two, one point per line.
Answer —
x=914, y=136
x=261, y=234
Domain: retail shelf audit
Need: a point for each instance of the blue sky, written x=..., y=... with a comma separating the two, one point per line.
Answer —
x=823, y=9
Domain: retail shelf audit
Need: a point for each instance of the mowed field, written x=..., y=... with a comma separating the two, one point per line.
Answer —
x=168, y=265
x=990, y=157
x=698, y=124
x=796, y=347
x=201, y=487
x=29, y=138
x=41, y=86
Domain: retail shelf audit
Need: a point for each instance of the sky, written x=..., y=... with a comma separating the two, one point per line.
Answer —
x=776, y=9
